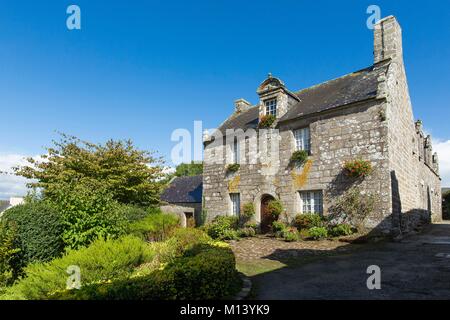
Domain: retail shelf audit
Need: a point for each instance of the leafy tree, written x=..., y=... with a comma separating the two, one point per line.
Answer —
x=89, y=212
x=131, y=176
x=189, y=169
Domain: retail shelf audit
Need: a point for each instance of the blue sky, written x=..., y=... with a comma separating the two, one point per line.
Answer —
x=140, y=69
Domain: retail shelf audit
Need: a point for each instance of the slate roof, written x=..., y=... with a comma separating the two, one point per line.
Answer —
x=244, y=120
x=184, y=189
x=354, y=87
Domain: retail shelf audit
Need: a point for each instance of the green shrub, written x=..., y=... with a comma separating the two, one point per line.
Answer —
x=317, y=233
x=278, y=226
x=246, y=232
x=181, y=241
x=10, y=260
x=266, y=121
x=308, y=220
x=341, y=230
x=229, y=234
x=208, y=274
x=88, y=212
x=133, y=213
x=275, y=208
x=248, y=212
x=299, y=157
x=186, y=238
x=252, y=225
x=39, y=230
x=234, y=167
x=103, y=260
x=304, y=234
x=155, y=226
x=358, y=168
x=290, y=234
x=220, y=226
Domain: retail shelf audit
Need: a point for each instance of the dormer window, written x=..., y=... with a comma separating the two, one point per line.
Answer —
x=271, y=107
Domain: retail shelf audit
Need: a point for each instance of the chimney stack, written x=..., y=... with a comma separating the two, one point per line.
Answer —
x=241, y=105
x=387, y=40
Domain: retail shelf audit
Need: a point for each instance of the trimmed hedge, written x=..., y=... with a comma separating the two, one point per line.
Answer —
x=101, y=261
x=189, y=265
x=39, y=229
x=207, y=272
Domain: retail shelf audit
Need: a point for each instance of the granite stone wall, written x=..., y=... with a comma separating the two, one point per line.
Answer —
x=405, y=181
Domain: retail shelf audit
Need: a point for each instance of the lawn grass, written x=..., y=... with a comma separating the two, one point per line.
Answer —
x=255, y=267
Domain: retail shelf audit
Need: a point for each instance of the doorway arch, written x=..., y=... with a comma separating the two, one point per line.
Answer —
x=266, y=217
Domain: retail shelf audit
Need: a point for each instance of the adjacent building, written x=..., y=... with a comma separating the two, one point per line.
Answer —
x=184, y=195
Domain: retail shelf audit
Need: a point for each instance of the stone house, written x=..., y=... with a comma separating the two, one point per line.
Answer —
x=365, y=115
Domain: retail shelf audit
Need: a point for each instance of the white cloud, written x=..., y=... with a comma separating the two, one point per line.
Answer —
x=11, y=185
x=443, y=150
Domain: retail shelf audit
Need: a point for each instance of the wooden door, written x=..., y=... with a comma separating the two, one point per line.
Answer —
x=190, y=221
x=266, y=217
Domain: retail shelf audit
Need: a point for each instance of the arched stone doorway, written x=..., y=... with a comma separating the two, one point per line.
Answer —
x=266, y=217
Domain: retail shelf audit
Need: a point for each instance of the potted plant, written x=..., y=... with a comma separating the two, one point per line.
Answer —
x=358, y=168
x=266, y=121
x=231, y=168
x=299, y=157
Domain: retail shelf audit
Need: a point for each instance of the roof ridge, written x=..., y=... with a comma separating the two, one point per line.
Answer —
x=334, y=79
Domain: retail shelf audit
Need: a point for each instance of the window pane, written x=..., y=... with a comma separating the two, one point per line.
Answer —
x=302, y=139
x=312, y=202
x=235, y=200
x=236, y=151
x=271, y=107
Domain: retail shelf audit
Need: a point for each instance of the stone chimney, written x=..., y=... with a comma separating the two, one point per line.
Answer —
x=387, y=40
x=241, y=105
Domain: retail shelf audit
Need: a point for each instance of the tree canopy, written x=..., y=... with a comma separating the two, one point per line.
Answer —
x=189, y=169
x=130, y=175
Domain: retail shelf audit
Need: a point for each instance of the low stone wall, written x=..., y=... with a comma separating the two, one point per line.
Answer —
x=179, y=211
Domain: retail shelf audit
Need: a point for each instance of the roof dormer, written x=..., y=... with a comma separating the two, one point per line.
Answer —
x=274, y=98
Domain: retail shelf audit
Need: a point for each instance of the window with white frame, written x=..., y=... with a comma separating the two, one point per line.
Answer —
x=235, y=204
x=311, y=202
x=302, y=139
x=271, y=107
x=235, y=151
